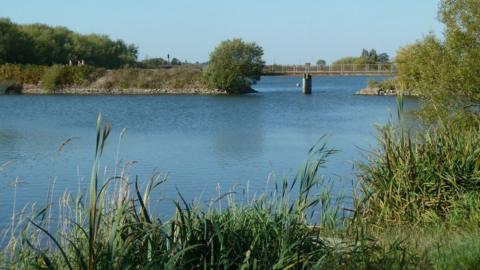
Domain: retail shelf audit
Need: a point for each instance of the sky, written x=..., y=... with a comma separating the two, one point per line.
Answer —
x=290, y=32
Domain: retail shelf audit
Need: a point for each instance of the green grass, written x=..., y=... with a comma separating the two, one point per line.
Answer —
x=431, y=176
x=57, y=77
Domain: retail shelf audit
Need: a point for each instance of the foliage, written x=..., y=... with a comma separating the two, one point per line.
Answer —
x=15, y=45
x=22, y=74
x=234, y=66
x=429, y=178
x=386, y=85
x=446, y=72
x=152, y=63
x=58, y=76
x=175, y=61
x=113, y=228
x=45, y=45
x=174, y=78
x=367, y=57
x=321, y=62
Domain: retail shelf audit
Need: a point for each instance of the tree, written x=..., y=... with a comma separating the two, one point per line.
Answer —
x=321, y=62
x=365, y=53
x=45, y=45
x=367, y=57
x=175, y=61
x=446, y=72
x=15, y=46
x=234, y=66
x=372, y=56
x=383, y=58
x=152, y=63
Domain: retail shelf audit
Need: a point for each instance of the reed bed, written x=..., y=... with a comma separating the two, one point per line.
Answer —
x=297, y=225
x=417, y=209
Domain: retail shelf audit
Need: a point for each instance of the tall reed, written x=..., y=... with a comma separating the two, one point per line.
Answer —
x=297, y=225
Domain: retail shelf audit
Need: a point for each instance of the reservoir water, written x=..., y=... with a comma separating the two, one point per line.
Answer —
x=201, y=142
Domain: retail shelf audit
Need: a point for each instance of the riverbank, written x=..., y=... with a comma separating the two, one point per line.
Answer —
x=388, y=87
x=377, y=91
x=86, y=80
x=34, y=90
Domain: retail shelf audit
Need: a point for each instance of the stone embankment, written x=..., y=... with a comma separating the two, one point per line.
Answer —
x=29, y=89
x=132, y=91
x=377, y=91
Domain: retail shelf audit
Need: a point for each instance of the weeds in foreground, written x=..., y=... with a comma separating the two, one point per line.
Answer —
x=408, y=185
x=295, y=226
x=430, y=178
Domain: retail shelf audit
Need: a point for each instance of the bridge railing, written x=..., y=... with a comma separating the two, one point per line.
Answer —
x=340, y=68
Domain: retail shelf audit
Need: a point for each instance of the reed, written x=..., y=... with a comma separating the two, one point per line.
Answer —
x=424, y=177
x=409, y=184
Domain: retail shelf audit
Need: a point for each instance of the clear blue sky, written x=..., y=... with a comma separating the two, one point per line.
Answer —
x=289, y=31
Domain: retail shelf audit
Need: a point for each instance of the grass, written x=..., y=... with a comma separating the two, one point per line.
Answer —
x=174, y=78
x=430, y=177
x=59, y=77
x=418, y=209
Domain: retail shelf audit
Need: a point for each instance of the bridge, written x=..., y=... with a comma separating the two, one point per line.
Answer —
x=326, y=70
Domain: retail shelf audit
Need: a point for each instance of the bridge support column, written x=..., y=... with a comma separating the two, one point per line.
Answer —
x=307, y=84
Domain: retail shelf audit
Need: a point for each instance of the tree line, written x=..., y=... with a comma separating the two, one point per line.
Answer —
x=41, y=44
x=366, y=57
x=446, y=71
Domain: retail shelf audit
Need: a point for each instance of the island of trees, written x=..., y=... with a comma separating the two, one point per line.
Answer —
x=37, y=59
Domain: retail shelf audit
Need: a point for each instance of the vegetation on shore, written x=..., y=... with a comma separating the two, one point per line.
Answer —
x=445, y=71
x=235, y=66
x=425, y=184
x=367, y=57
x=35, y=79
x=45, y=59
x=40, y=44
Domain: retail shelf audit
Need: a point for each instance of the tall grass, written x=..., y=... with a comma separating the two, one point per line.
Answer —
x=297, y=225
x=418, y=209
x=429, y=176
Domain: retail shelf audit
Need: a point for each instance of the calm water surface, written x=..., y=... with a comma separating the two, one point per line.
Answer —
x=199, y=141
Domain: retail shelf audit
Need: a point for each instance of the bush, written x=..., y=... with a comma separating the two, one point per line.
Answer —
x=22, y=74
x=54, y=78
x=58, y=76
x=234, y=66
x=386, y=85
x=174, y=78
x=427, y=178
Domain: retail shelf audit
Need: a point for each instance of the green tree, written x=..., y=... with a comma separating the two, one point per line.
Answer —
x=366, y=57
x=234, y=66
x=45, y=45
x=383, y=58
x=152, y=63
x=321, y=62
x=15, y=46
x=372, y=56
x=446, y=72
x=175, y=61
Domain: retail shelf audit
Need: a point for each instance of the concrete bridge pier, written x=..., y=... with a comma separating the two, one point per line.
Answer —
x=307, y=84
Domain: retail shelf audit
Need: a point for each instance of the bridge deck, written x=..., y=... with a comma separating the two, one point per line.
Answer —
x=344, y=69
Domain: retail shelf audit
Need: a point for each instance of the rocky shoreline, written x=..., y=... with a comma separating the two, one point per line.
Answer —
x=37, y=90
x=377, y=91
x=131, y=91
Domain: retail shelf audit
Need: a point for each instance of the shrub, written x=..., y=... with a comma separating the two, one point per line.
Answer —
x=55, y=77
x=234, y=66
x=22, y=74
x=433, y=176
